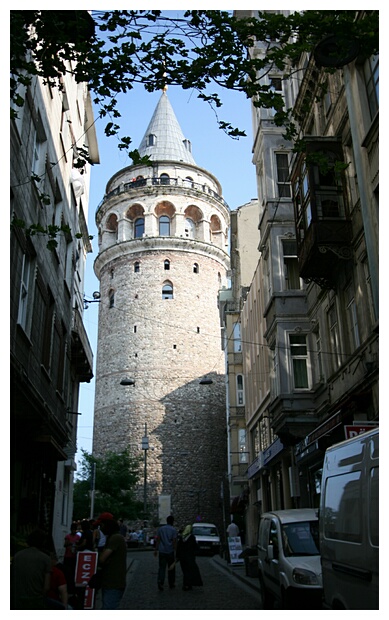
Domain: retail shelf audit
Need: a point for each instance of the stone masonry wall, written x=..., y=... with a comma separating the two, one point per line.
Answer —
x=167, y=346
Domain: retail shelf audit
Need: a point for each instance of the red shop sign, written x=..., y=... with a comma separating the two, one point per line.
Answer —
x=353, y=430
x=86, y=566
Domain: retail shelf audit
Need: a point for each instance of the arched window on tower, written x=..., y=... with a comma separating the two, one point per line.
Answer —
x=151, y=139
x=165, y=179
x=164, y=226
x=239, y=390
x=139, y=227
x=190, y=228
x=166, y=264
x=112, y=224
x=167, y=290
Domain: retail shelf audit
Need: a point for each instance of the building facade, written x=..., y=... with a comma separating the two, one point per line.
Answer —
x=309, y=323
x=50, y=351
x=244, y=255
x=162, y=261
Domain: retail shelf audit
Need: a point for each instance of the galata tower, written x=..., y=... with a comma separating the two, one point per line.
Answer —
x=160, y=366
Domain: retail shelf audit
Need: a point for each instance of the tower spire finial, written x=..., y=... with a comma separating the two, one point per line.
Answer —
x=165, y=87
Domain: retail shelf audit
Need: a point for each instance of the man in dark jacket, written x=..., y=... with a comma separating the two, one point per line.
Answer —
x=166, y=543
x=113, y=562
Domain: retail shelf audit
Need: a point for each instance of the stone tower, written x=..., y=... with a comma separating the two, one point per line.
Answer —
x=162, y=261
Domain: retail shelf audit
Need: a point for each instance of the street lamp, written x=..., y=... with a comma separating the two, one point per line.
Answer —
x=145, y=447
x=96, y=300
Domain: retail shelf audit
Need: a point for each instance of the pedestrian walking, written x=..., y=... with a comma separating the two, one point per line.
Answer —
x=70, y=557
x=99, y=538
x=123, y=529
x=57, y=596
x=165, y=549
x=186, y=556
x=85, y=542
x=30, y=573
x=232, y=530
x=113, y=562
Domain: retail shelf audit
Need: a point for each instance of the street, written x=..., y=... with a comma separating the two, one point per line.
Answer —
x=221, y=590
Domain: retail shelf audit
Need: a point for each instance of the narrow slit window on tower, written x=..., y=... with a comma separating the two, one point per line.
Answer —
x=134, y=329
x=166, y=264
x=152, y=139
x=167, y=290
x=195, y=268
x=111, y=299
x=137, y=267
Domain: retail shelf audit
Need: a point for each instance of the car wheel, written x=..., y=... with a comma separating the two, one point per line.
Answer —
x=267, y=597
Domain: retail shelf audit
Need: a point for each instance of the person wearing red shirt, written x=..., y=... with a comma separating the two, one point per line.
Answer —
x=70, y=557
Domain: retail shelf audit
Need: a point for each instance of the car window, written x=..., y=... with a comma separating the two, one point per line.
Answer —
x=301, y=538
x=205, y=531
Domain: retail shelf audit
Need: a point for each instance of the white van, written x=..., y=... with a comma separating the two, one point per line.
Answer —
x=288, y=559
x=349, y=523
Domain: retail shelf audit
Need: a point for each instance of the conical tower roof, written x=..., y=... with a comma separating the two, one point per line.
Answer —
x=164, y=139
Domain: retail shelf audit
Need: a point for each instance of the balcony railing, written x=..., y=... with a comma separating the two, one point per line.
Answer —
x=151, y=182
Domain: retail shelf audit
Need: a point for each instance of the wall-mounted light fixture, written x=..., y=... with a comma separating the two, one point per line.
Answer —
x=96, y=299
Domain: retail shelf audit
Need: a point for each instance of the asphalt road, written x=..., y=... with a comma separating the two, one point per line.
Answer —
x=221, y=590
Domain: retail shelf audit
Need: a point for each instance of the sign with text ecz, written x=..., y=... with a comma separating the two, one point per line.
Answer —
x=86, y=566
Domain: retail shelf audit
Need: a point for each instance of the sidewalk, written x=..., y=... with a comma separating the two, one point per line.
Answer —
x=239, y=571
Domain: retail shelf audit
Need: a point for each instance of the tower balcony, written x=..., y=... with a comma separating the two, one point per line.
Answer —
x=169, y=185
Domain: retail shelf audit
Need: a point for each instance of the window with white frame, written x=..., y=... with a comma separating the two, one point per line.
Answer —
x=369, y=291
x=139, y=227
x=299, y=360
x=40, y=148
x=371, y=73
x=333, y=327
x=291, y=267
x=352, y=318
x=319, y=356
x=189, y=228
x=48, y=332
x=167, y=290
x=239, y=390
x=274, y=370
x=283, y=180
x=243, y=449
x=24, y=292
x=237, y=338
x=164, y=225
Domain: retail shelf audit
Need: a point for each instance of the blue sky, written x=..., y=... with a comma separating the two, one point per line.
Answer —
x=228, y=159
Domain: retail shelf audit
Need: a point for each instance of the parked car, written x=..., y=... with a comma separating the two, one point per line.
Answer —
x=349, y=531
x=207, y=538
x=289, y=567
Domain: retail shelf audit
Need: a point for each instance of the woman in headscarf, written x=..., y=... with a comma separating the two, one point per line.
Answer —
x=186, y=555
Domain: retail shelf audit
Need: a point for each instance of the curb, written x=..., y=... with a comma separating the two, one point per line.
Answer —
x=251, y=582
